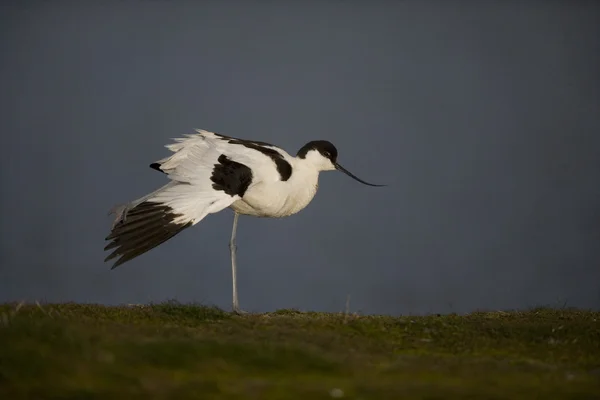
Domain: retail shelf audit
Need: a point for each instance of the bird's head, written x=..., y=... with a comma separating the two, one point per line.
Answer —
x=322, y=155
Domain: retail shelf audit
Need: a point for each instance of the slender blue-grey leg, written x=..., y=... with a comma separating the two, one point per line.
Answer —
x=233, y=248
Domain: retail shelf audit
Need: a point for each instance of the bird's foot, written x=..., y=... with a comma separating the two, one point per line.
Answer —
x=239, y=311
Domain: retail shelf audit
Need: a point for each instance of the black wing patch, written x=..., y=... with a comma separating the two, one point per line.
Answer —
x=283, y=167
x=144, y=227
x=231, y=177
x=156, y=166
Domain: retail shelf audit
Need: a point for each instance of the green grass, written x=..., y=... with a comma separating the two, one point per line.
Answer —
x=174, y=351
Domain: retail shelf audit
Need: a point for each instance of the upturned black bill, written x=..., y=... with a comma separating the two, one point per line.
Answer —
x=344, y=170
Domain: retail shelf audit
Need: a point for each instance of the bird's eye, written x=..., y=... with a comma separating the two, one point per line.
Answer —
x=327, y=154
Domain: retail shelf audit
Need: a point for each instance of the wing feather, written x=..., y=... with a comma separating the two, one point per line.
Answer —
x=145, y=223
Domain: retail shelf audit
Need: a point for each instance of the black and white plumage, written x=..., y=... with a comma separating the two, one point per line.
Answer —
x=209, y=172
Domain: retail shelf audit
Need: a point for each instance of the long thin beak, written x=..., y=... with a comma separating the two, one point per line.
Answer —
x=351, y=175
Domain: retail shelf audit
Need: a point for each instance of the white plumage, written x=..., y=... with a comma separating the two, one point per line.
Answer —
x=209, y=172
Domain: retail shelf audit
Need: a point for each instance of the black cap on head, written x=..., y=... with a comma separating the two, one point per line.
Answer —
x=327, y=149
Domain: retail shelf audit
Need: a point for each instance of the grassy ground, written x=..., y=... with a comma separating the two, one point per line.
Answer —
x=173, y=351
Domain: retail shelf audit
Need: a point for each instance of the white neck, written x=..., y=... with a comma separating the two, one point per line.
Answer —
x=304, y=170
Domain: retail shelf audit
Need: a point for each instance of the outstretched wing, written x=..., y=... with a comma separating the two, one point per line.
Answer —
x=204, y=180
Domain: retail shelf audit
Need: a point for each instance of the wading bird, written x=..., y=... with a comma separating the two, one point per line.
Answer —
x=209, y=172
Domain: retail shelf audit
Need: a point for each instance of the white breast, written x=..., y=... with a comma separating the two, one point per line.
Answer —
x=281, y=198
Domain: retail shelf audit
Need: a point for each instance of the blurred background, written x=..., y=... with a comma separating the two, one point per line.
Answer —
x=482, y=117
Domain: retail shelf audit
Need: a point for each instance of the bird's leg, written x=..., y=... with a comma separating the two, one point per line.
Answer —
x=233, y=248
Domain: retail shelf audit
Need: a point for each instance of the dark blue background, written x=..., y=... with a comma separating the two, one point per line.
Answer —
x=483, y=118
